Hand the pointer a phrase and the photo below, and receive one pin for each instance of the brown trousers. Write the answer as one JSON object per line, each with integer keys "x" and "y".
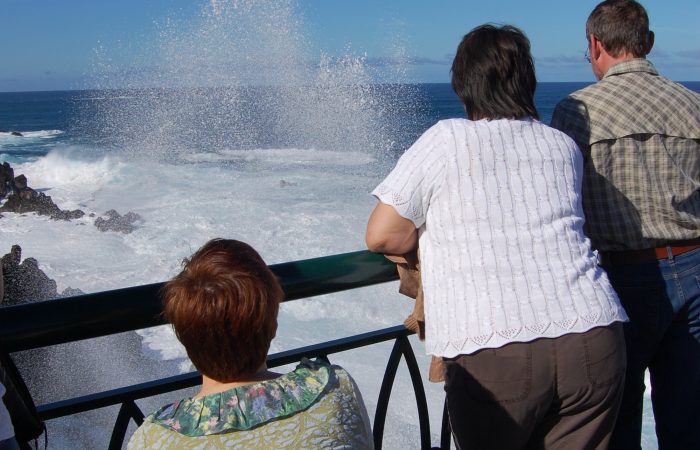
{"x": 561, "y": 393}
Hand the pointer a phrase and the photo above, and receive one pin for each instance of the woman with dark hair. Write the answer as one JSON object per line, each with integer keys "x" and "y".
{"x": 223, "y": 307}
{"x": 526, "y": 322}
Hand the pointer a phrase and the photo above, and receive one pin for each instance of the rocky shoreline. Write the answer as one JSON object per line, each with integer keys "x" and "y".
{"x": 20, "y": 199}
{"x": 23, "y": 281}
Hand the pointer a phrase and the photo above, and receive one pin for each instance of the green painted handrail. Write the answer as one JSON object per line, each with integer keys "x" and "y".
{"x": 51, "y": 322}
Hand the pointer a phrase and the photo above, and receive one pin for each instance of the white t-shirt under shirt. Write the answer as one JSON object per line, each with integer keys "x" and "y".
{"x": 503, "y": 255}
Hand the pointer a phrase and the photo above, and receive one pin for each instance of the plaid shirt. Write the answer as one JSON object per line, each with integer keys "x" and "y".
{"x": 640, "y": 137}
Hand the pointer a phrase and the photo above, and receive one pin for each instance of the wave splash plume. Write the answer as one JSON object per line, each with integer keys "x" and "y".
{"x": 239, "y": 76}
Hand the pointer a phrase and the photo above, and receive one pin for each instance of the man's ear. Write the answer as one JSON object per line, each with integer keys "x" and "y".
{"x": 595, "y": 46}
{"x": 650, "y": 42}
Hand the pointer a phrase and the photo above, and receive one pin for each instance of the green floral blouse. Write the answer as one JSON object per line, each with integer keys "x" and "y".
{"x": 315, "y": 406}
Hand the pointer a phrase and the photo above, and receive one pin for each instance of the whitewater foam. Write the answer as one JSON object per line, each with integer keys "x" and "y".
{"x": 41, "y": 134}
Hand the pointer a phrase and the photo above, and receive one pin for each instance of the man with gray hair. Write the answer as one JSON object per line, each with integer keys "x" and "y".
{"x": 640, "y": 137}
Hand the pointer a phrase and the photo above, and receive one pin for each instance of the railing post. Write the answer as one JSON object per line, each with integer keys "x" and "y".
{"x": 446, "y": 431}
{"x": 402, "y": 346}
{"x": 421, "y": 402}
{"x": 128, "y": 410}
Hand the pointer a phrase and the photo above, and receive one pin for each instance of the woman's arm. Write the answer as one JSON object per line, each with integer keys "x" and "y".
{"x": 390, "y": 233}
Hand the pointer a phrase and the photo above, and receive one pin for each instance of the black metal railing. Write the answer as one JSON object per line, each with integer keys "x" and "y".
{"x": 41, "y": 324}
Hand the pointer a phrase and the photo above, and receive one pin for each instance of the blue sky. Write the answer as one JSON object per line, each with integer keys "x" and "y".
{"x": 51, "y": 45}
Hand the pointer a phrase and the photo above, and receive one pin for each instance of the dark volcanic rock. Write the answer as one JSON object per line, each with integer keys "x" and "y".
{"x": 65, "y": 214}
{"x": 34, "y": 283}
{"x": 71, "y": 292}
{"x": 13, "y": 258}
{"x": 23, "y": 199}
{"x": 20, "y": 182}
{"x": 24, "y": 282}
{"x": 7, "y": 176}
{"x": 29, "y": 200}
{"x": 16, "y": 133}
{"x": 117, "y": 222}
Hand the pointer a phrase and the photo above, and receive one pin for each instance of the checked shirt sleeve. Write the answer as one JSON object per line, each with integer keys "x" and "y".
{"x": 571, "y": 117}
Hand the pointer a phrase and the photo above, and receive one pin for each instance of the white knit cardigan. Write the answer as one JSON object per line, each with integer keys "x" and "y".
{"x": 503, "y": 254}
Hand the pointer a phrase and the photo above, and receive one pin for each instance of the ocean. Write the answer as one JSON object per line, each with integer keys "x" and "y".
{"x": 287, "y": 171}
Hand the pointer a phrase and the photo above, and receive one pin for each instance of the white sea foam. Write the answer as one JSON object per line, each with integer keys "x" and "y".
{"x": 43, "y": 134}
{"x": 285, "y": 157}
{"x": 70, "y": 181}
{"x": 106, "y": 98}
{"x": 60, "y": 168}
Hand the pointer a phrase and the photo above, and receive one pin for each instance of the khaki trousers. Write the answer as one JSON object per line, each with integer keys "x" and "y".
{"x": 561, "y": 393}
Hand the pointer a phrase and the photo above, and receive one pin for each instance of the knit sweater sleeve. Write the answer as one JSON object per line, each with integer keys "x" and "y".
{"x": 417, "y": 176}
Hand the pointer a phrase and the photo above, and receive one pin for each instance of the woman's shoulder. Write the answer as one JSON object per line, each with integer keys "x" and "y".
{"x": 446, "y": 133}
{"x": 457, "y": 126}
{"x": 549, "y": 133}
{"x": 340, "y": 382}
{"x": 565, "y": 138}
{"x": 343, "y": 380}
{"x": 335, "y": 398}
{"x": 454, "y": 124}
{"x": 247, "y": 406}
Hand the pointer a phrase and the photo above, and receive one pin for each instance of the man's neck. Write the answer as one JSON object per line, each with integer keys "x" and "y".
{"x": 607, "y": 61}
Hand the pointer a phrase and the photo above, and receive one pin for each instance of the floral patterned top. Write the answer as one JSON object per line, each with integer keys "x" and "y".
{"x": 315, "y": 406}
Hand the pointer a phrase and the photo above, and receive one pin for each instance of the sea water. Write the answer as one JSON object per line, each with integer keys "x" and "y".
{"x": 232, "y": 135}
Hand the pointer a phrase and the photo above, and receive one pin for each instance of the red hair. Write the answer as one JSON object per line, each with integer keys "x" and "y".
{"x": 223, "y": 307}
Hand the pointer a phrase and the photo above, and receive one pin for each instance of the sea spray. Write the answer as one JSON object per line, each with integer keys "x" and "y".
{"x": 242, "y": 75}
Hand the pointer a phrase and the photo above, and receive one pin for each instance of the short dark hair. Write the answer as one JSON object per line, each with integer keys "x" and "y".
{"x": 493, "y": 73}
{"x": 223, "y": 307}
{"x": 621, "y": 25}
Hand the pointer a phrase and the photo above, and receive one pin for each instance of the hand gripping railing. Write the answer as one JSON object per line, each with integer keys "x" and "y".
{"x": 41, "y": 324}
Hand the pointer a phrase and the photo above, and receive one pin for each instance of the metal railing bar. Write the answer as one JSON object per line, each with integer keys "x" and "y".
{"x": 51, "y": 322}
{"x": 137, "y": 414}
{"x": 339, "y": 345}
{"x": 183, "y": 381}
{"x": 128, "y": 411}
{"x": 334, "y": 273}
{"x": 384, "y": 394}
{"x": 119, "y": 395}
{"x": 446, "y": 431}
{"x": 419, "y": 391}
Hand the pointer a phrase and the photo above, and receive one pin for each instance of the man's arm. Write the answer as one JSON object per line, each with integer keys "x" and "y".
{"x": 390, "y": 233}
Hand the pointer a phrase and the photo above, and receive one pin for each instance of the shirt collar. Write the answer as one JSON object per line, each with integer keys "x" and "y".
{"x": 249, "y": 406}
{"x": 632, "y": 65}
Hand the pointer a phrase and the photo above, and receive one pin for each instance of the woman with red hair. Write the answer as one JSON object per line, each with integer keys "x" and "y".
{"x": 223, "y": 307}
